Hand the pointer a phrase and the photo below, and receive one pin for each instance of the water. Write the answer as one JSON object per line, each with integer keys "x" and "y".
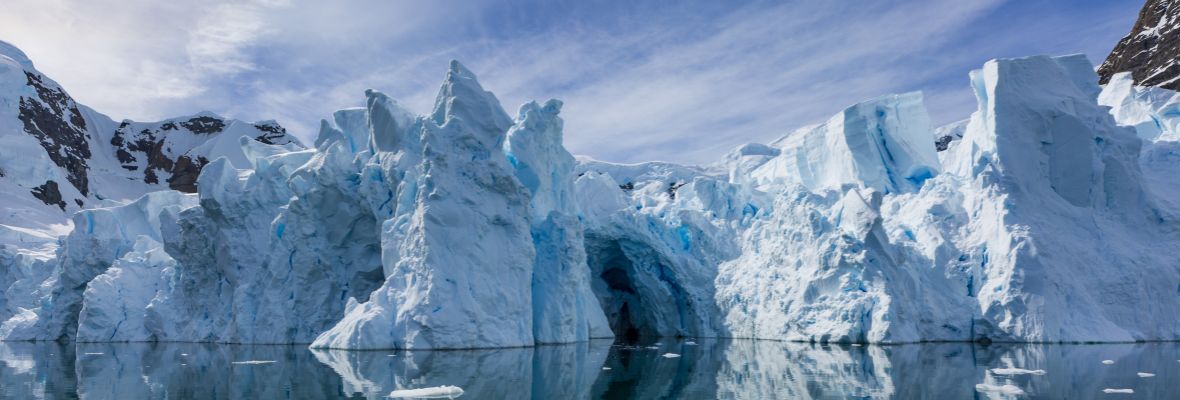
{"x": 741, "y": 369}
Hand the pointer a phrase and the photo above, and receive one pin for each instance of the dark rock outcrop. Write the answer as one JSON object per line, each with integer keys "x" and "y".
{"x": 185, "y": 173}
{"x": 1151, "y": 52}
{"x": 53, "y": 118}
{"x": 203, "y": 125}
{"x": 943, "y": 143}
{"x": 272, "y": 133}
{"x": 49, "y": 194}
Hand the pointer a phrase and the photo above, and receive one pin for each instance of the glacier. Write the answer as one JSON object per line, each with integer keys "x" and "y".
{"x": 1048, "y": 215}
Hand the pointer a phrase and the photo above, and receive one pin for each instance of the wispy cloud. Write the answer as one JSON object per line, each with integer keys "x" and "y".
{"x": 679, "y": 81}
{"x": 222, "y": 34}
{"x": 138, "y": 58}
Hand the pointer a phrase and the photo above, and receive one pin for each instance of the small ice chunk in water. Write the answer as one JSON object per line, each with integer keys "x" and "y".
{"x": 391, "y": 355}
{"x": 856, "y": 345}
{"x": 1108, "y": 362}
{"x": 437, "y": 392}
{"x": 1146, "y": 374}
{"x": 94, "y": 354}
{"x": 1125, "y": 391}
{"x": 690, "y": 343}
{"x": 653, "y": 347}
{"x": 254, "y": 362}
{"x": 1003, "y": 389}
{"x": 1017, "y": 371}
{"x": 606, "y": 368}
{"x": 184, "y": 354}
{"x": 670, "y": 355}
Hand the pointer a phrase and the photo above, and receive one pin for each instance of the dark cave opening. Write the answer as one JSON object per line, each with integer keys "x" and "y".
{"x": 628, "y": 311}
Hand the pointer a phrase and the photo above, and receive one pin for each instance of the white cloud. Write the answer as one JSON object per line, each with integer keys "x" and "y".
{"x": 218, "y": 41}
{"x": 136, "y": 59}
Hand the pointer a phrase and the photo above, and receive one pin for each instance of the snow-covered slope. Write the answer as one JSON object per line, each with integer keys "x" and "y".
{"x": 58, "y": 156}
{"x": 1045, "y": 217}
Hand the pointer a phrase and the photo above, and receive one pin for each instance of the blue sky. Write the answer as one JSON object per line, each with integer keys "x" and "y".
{"x": 674, "y": 80}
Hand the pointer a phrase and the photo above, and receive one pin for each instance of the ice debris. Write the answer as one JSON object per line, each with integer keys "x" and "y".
{"x": 1012, "y": 390}
{"x": 1017, "y": 371}
{"x": 437, "y": 392}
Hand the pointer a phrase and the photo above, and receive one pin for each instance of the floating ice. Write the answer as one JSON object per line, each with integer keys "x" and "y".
{"x": 1145, "y": 374}
{"x": 1017, "y": 371}
{"x": 1003, "y": 389}
{"x": 1108, "y": 362}
{"x": 437, "y": 392}
{"x": 1124, "y": 391}
{"x": 670, "y": 355}
{"x": 254, "y": 362}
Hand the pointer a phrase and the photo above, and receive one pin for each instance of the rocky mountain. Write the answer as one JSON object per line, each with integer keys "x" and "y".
{"x": 1151, "y": 52}
{"x": 58, "y": 156}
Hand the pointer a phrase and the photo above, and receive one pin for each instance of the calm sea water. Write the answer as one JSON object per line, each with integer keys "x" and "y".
{"x": 740, "y": 369}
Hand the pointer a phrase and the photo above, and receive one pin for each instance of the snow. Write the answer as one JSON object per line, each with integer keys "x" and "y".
{"x": 444, "y": 392}
{"x": 1011, "y": 390}
{"x": 1154, "y": 112}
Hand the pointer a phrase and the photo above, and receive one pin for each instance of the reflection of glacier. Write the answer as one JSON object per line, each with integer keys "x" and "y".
{"x": 542, "y": 372}
{"x": 738, "y": 369}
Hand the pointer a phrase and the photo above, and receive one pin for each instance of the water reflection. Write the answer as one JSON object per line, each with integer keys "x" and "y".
{"x": 738, "y": 369}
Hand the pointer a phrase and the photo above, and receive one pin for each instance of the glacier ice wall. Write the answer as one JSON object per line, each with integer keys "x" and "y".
{"x": 1066, "y": 232}
{"x": 882, "y": 143}
{"x": 1046, "y": 217}
{"x": 480, "y": 246}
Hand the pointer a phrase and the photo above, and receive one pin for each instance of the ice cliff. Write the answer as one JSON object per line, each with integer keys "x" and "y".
{"x": 1044, "y": 217}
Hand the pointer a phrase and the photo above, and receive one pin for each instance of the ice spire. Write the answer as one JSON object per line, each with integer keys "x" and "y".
{"x": 462, "y": 97}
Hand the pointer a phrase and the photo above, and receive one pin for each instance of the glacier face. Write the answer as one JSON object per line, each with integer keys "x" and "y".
{"x": 1044, "y": 217}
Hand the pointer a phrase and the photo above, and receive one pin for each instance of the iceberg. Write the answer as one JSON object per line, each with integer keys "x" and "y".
{"x": 1016, "y": 371}
{"x": 442, "y": 392}
{"x": 1046, "y": 216}
{"x": 1011, "y": 390}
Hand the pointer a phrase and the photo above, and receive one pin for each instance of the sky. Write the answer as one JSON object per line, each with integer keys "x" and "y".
{"x": 680, "y": 81}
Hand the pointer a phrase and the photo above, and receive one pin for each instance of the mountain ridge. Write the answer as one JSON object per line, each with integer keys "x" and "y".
{"x": 1151, "y": 51}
